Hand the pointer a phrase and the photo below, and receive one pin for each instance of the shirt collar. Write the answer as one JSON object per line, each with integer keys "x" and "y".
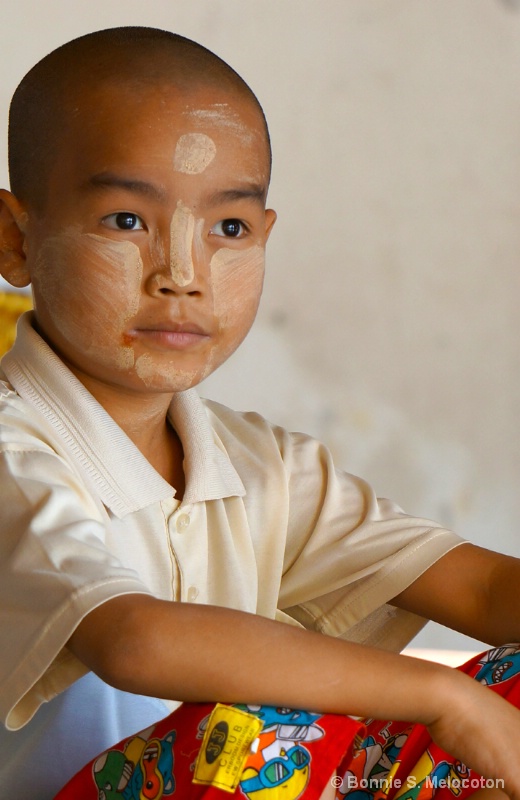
{"x": 125, "y": 481}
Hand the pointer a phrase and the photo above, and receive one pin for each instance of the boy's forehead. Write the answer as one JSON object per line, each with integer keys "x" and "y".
{"x": 118, "y": 110}
{"x": 137, "y": 131}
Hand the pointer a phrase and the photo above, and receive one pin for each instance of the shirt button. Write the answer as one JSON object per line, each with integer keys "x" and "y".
{"x": 193, "y": 593}
{"x": 183, "y": 523}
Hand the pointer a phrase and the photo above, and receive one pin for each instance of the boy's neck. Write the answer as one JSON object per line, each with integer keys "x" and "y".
{"x": 166, "y": 455}
{"x": 153, "y": 434}
{"x": 144, "y": 419}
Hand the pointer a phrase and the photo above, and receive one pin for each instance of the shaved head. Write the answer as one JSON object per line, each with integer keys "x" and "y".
{"x": 50, "y": 94}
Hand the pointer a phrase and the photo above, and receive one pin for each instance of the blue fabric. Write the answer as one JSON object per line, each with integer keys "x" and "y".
{"x": 89, "y": 717}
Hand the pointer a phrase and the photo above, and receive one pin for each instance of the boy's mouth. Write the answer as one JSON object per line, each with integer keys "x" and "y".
{"x": 173, "y": 336}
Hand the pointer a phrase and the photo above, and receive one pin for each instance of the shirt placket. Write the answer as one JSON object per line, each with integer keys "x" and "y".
{"x": 186, "y": 530}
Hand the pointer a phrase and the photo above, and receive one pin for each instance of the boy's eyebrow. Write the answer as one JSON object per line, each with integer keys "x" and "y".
{"x": 108, "y": 180}
{"x": 251, "y": 191}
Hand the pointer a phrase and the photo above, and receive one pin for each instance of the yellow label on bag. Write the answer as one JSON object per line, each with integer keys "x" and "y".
{"x": 226, "y": 745}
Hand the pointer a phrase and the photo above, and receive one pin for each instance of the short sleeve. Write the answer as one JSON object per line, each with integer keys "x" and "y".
{"x": 54, "y": 569}
{"x": 348, "y": 552}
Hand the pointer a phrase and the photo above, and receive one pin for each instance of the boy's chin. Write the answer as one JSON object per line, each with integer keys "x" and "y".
{"x": 175, "y": 377}
{"x": 172, "y": 381}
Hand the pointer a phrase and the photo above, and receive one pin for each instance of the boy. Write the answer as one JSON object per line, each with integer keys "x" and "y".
{"x": 139, "y": 170}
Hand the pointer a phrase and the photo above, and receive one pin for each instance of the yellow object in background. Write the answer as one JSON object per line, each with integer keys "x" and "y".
{"x": 11, "y": 306}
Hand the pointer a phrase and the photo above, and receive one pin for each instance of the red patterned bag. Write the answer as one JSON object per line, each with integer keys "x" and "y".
{"x": 265, "y": 753}
{"x": 212, "y": 751}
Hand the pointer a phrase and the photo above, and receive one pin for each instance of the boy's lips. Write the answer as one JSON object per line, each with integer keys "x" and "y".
{"x": 170, "y": 335}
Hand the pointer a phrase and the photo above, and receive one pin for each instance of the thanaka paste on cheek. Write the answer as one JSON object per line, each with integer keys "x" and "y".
{"x": 193, "y": 153}
{"x": 90, "y": 286}
{"x": 237, "y": 278}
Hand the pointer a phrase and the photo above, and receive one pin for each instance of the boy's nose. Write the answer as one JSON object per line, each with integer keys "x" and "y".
{"x": 175, "y": 268}
{"x": 182, "y": 233}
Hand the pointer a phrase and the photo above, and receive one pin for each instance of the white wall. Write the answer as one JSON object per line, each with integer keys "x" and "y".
{"x": 389, "y": 326}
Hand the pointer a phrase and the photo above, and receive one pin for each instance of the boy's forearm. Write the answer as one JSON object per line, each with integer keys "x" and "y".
{"x": 204, "y": 653}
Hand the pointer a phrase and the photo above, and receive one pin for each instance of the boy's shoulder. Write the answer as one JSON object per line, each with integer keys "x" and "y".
{"x": 235, "y": 421}
{"x": 251, "y": 431}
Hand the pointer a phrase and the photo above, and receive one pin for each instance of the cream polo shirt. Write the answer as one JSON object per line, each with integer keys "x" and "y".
{"x": 267, "y": 525}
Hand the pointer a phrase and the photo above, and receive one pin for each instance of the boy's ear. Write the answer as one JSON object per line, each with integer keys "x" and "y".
{"x": 270, "y": 219}
{"x": 13, "y": 221}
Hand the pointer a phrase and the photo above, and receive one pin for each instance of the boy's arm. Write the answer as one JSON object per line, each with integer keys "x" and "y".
{"x": 205, "y": 653}
{"x": 472, "y": 590}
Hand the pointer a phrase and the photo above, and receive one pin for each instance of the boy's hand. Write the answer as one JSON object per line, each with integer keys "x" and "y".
{"x": 482, "y": 730}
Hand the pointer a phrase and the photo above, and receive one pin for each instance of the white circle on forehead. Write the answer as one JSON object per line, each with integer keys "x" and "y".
{"x": 193, "y": 153}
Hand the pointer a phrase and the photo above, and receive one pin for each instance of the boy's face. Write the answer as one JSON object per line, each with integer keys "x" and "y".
{"x": 147, "y": 260}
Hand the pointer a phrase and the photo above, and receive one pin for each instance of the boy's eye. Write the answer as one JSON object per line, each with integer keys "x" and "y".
{"x": 232, "y": 228}
{"x": 124, "y": 221}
